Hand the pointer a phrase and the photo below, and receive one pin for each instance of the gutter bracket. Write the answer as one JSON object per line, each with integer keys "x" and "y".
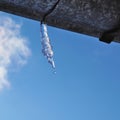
{"x": 109, "y": 36}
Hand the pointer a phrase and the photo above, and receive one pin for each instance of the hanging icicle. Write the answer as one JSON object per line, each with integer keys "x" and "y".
{"x": 46, "y": 45}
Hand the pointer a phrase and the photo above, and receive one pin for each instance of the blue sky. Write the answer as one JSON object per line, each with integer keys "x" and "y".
{"x": 86, "y": 85}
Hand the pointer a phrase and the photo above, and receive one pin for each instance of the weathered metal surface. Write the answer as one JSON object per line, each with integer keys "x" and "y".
{"x": 91, "y": 17}
{"x": 34, "y": 9}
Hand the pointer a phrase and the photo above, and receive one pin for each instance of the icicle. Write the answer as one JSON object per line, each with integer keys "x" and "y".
{"x": 46, "y": 45}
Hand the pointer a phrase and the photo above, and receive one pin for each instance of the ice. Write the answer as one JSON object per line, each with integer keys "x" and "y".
{"x": 46, "y": 45}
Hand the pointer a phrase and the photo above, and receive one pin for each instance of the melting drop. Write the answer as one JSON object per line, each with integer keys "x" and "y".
{"x": 46, "y": 45}
{"x": 54, "y": 72}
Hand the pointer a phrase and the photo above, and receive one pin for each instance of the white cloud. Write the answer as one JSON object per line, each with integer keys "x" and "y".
{"x": 13, "y": 47}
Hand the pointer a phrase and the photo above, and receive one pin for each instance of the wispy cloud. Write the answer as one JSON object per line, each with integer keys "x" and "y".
{"x": 13, "y": 47}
